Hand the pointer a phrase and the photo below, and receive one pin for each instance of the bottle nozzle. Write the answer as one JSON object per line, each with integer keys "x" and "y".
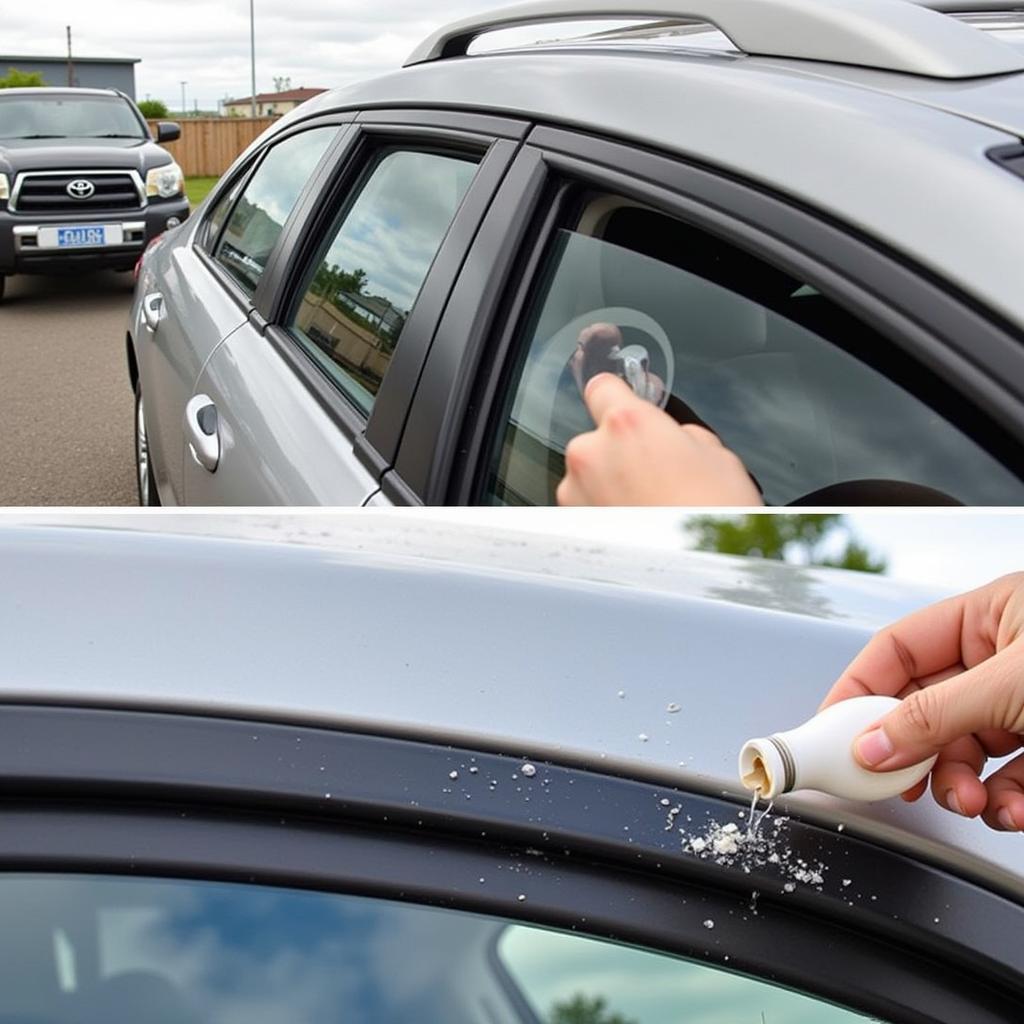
{"x": 766, "y": 767}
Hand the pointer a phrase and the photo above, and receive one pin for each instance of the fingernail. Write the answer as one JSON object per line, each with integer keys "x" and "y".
{"x": 874, "y": 747}
{"x": 953, "y": 802}
{"x": 1006, "y": 820}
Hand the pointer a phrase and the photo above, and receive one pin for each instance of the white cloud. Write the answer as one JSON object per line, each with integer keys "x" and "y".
{"x": 314, "y": 42}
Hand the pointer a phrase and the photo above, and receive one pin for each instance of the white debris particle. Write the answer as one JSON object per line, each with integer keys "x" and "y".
{"x": 664, "y": 801}
{"x": 936, "y": 920}
{"x": 643, "y": 737}
{"x": 528, "y": 770}
{"x": 725, "y": 845}
{"x": 672, "y": 708}
{"x": 839, "y": 828}
{"x": 622, "y": 693}
{"x": 473, "y": 770}
{"x": 709, "y": 923}
{"x": 847, "y": 881}
{"x": 750, "y": 849}
{"x": 453, "y": 775}
{"x": 521, "y": 897}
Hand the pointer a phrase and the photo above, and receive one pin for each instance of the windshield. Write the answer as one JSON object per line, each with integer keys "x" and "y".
{"x": 59, "y": 117}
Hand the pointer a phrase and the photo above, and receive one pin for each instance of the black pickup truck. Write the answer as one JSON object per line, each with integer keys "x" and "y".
{"x": 83, "y": 184}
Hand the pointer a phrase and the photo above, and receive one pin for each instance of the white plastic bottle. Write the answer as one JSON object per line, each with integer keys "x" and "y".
{"x": 819, "y": 755}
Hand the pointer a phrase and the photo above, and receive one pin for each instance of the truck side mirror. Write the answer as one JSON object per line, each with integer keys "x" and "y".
{"x": 167, "y": 131}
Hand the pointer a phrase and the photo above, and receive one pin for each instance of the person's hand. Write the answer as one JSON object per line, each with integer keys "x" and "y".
{"x": 959, "y": 668}
{"x": 639, "y": 455}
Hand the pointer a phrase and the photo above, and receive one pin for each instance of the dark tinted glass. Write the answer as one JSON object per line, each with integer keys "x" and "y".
{"x": 259, "y": 215}
{"x": 42, "y": 116}
{"x": 106, "y": 950}
{"x": 760, "y": 357}
{"x": 367, "y": 280}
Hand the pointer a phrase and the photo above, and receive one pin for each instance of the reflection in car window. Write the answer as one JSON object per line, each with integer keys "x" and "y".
{"x": 80, "y": 949}
{"x": 366, "y": 282}
{"x": 47, "y": 116}
{"x": 215, "y": 220}
{"x": 258, "y": 218}
{"x": 569, "y": 979}
{"x": 761, "y": 358}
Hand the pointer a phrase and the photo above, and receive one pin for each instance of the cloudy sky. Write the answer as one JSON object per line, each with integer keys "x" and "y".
{"x": 316, "y": 43}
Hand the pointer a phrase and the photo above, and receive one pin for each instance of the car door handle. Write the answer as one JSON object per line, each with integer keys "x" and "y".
{"x": 152, "y": 310}
{"x": 201, "y": 431}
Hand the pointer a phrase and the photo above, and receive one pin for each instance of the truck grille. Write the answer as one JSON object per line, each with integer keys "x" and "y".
{"x": 48, "y": 192}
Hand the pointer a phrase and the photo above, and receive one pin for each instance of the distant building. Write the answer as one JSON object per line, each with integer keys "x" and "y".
{"x": 86, "y": 72}
{"x": 270, "y": 104}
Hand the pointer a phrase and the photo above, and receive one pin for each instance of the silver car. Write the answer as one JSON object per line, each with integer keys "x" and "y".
{"x": 804, "y": 220}
{"x": 337, "y": 771}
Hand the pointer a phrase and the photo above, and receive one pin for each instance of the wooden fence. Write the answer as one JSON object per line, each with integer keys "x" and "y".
{"x": 209, "y": 145}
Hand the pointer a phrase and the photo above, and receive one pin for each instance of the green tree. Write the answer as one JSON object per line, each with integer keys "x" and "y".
{"x": 152, "y": 109}
{"x": 15, "y": 79}
{"x": 803, "y": 539}
{"x": 582, "y": 1009}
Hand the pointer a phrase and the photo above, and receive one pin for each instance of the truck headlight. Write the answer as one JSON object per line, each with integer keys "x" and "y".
{"x": 165, "y": 181}
{"x": 5, "y": 187}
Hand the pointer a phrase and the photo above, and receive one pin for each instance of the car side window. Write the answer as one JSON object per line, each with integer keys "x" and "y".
{"x": 762, "y": 358}
{"x": 217, "y": 216}
{"x": 571, "y": 978}
{"x": 367, "y": 276}
{"x": 257, "y": 219}
{"x": 79, "y": 949}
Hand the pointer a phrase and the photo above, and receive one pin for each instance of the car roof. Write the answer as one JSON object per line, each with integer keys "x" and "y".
{"x": 534, "y": 646}
{"x": 811, "y": 131}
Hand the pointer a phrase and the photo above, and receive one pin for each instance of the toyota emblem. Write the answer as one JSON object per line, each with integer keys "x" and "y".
{"x": 80, "y": 188}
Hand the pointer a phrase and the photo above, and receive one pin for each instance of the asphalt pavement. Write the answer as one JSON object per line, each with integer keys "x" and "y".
{"x": 66, "y": 408}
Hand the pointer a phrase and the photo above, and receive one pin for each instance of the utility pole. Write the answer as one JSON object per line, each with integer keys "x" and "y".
{"x": 71, "y": 66}
{"x": 252, "y": 55}
{"x": 183, "y": 110}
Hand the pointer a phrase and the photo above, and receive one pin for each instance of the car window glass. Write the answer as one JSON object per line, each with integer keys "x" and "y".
{"x": 215, "y": 220}
{"x": 366, "y": 280}
{"x": 759, "y": 357}
{"x": 80, "y": 949}
{"x": 570, "y": 979}
{"x": 258, "y": 217}
{"x": 66, "y": 115}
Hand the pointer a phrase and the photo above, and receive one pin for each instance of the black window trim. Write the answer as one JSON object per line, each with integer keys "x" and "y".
{"x": 375, "y": 439}
{"x": 927, "y": 319}
{"x": 173, "y": 794}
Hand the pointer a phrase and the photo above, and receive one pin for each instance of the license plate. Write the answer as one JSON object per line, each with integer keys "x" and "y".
{"x": 84, "y": 236}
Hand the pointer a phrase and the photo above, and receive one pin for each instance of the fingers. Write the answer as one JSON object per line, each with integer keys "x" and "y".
{"x": 922, "y": 644}
{"x": 1005, "y": 810}
{"x": 955, "y": 781}
{"x": 604, "y": 393}
{"x": 989, "y": 696}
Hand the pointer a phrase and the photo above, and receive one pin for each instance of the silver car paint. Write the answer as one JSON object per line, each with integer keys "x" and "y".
{"x": 277, "y": 445}
{"x": 197, "y": 315}
{"x": 880, "y": 162}
{"x": 462, "y": 635}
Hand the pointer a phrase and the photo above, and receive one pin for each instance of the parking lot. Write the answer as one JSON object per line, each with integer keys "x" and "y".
{"x": 65, "y": 405}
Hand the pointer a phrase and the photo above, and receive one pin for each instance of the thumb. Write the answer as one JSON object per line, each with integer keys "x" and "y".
{"x": 988, "y": 696}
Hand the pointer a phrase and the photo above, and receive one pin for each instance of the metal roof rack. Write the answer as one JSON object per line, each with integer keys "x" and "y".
{"x": 894, "y": 35}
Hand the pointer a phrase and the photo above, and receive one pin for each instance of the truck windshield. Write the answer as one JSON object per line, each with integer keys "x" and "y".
{"x": 66, "y": 116}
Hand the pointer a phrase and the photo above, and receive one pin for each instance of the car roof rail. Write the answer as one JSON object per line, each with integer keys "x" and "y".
{"x": 910, "y": 36}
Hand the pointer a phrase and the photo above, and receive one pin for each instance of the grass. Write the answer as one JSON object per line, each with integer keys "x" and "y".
{"x": 197, "y": 188}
